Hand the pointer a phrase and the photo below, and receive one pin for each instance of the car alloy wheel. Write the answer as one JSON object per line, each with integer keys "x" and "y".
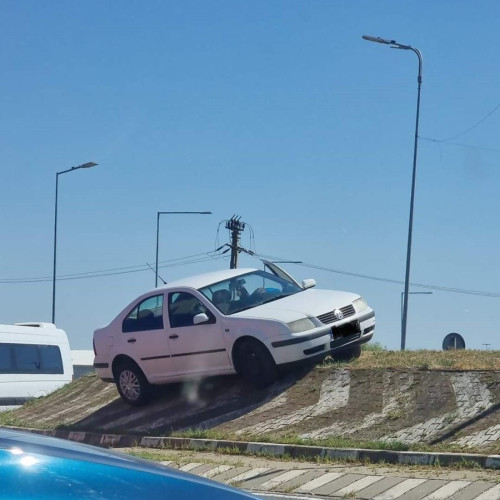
{"x": 132, "y": 384}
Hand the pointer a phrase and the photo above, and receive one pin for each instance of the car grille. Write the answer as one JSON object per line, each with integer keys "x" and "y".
{"x": 329, "y": 317}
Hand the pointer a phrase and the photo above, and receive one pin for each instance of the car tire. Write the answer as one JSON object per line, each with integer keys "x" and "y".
{"x": 132, "y": 384}
{"x": 255, "y": 363}
{"x": 352, "y": 352}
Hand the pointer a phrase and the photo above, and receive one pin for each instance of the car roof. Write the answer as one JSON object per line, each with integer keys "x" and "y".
{"x": 201, "y": 280}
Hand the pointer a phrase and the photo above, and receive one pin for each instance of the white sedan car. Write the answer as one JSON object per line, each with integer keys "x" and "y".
{"x": 244, "y": 321}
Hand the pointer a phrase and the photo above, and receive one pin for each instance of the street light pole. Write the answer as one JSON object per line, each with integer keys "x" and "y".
{"x": 84, "y": 165}
{"x": 395, "y": 45}
{"x": 158, "y": 234}
{"x": 402, "y": 302}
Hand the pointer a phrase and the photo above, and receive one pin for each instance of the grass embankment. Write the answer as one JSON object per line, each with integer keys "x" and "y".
{"x": 373, "y": 357}
{"x": 376, "y": 357}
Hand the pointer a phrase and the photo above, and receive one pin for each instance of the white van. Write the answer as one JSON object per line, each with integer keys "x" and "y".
{"x": 35, "y": 359}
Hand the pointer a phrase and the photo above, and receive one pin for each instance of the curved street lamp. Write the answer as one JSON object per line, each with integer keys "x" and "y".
{"x": 84, "y": 165}
{"x": 395, "y": 45}
{"x": 158, "y": 234}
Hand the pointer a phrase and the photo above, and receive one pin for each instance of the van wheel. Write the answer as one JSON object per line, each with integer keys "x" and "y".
{"x": 132, "y": 384}
{"x": 255, "y": 363}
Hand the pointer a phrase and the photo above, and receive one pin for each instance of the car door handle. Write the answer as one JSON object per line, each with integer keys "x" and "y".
{"x": 174, "y": 336}
{"x": 131, "y": 341}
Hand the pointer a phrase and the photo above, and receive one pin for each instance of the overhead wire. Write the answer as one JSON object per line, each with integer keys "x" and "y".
{"x": 448, "y": 140}
{"x": 473, "y": 126}
{"x": 217, "y": 255}
{"x": 120, "y": 270}
{"x": 462, "y": 145}
{"x": 385, "y": 280}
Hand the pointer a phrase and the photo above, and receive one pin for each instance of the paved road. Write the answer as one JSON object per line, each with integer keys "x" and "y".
{"x": 340, "y": 481}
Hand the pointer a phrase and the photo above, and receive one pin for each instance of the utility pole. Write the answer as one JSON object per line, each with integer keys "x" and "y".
{"x": 236, "y": 227}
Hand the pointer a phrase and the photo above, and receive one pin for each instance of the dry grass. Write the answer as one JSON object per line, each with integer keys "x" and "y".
{"x": 428, "y": 360}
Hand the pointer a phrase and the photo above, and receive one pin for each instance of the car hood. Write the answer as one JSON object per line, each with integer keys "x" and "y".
{"x": 309, "y": 302}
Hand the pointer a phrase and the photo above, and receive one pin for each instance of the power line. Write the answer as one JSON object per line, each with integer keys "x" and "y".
{"x": 119, "y": 270}
{"x": 473, "y": 126}
{"x": 460, "y": 144}
{"x": 466, "y": 131}
{"x": 388, "y": 280}
{"x": 215, "y": 255}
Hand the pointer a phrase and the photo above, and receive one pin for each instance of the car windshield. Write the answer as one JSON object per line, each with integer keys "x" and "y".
{"x": 247, "y": 291}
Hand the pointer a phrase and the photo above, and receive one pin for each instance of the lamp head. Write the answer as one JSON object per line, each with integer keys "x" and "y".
{"x": 385, "y": 41}
{"x": 377, "y": 39}
{"x": 89, "y": 165}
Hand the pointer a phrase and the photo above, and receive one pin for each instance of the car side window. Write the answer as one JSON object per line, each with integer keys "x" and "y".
{"x": 183, "y": 307}
{"x": 147, "y": 315}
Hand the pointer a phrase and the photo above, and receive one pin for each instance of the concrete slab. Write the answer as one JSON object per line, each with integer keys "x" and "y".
{"x": 294, "y": 484}
{"x": 190, "y": 466}
{"x": 230, "y": 473}
{"x": 424, "y": 489}
{"x": 332, "y": 487}
{"x": 216, "y": 470}
{"x": 243, "y": 476}
{"x": 490, "y": 494}
{"x": 201, "y": 469}
{"x": 356, "y": 486}
{"x": 256, "y": 482}
{"x": 472, "y": 491}
{"x": 399, "y": 489}
{"x": 316, "y": 483}
{"x": 446, "y": 490}
{"x": 380, "y": 486}
{"x": 273, "y": 483}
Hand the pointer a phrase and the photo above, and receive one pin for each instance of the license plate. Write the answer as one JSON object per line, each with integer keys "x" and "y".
{"x": 345, "y": 330}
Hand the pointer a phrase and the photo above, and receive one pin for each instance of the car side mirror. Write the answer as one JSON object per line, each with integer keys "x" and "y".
{"x": 200, "y": 318}
{"x": 309, "y": 283}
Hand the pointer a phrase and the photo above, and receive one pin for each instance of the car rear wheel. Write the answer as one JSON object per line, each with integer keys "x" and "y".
{"x": 132, "y": 384}
{"x": 255, "y": 363}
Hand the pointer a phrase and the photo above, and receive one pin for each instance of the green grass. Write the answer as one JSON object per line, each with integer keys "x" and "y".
{"x": 332, "y": 442}
{"x": 374, "y": 356}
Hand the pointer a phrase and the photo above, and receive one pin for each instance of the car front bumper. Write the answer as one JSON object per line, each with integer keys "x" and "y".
{"x": 324, "y": 340}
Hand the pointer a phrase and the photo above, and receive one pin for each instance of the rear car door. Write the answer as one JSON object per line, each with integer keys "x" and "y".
{"x": 144, "y": 338}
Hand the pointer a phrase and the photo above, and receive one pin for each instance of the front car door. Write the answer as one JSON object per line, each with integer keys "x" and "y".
{"x": 195, "y": 349}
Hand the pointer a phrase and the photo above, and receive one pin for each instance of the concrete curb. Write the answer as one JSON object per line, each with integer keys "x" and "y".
{"x": 277, "y": 450}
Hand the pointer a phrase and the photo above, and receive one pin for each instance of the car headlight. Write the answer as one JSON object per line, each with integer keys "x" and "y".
{"x": 301, "y": 325}
{"x": 359, "y": 304}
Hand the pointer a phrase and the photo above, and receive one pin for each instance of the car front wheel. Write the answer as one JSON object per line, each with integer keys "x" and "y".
{"x": 132, "y": 384}
{"x": 352, "y": 352}
{"x": 255, "y": 363}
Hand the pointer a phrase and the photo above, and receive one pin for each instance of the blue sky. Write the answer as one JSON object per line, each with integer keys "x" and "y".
{"x": 276, "y": 111}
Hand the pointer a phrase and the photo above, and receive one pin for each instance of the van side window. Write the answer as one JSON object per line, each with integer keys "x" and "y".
{"x": 30, "y": 358}
{"x": 183, "y": 307}
{"x": 147, "y": 315}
